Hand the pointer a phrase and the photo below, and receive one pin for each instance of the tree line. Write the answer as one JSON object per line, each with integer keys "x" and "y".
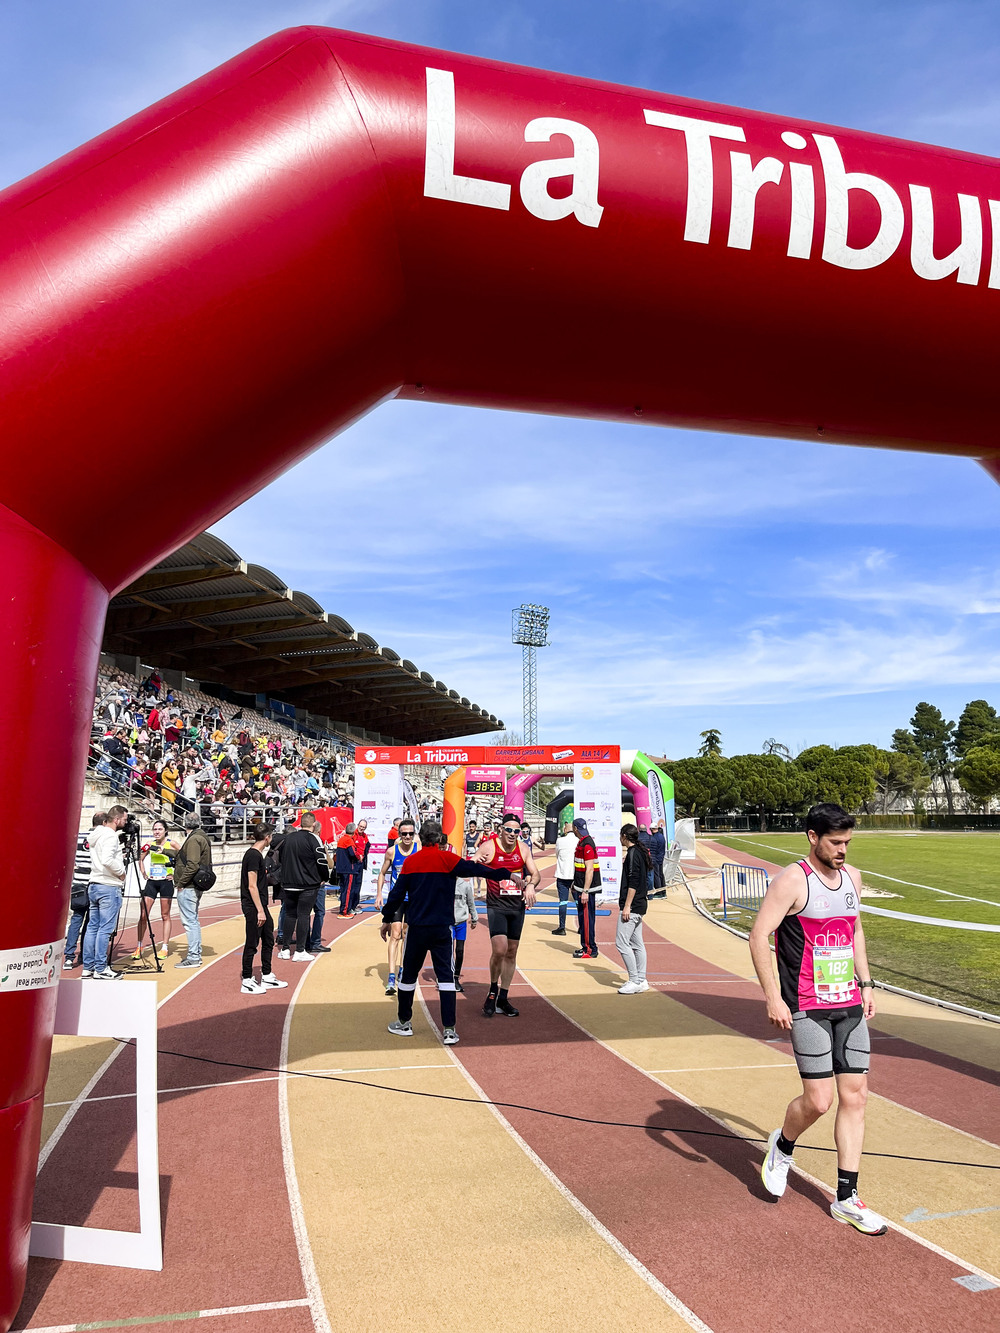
{"x": 924, "y": 761}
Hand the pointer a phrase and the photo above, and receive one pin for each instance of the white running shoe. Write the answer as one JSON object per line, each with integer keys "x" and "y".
{"x": 399, "y": 1029}
{"x": 858, "y": 1215}
{"x": 285, "y": 953}
{"x": 450, "y": 1037}
{"x": 630, "y": 988}
{"x": 774, "y": 1172}
{"x": 300, "y": 956}
{"x": 270, "y": 982}
{"x": 85, "y": 975}
{"x": 109, "y": 974}
{"x": 251, "y": 987}
{"x": 642, "y": 985}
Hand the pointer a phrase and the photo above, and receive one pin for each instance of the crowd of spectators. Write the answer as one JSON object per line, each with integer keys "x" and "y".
{"x": 173, "y": 753}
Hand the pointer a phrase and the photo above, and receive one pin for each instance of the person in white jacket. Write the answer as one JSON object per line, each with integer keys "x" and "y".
{"x": 465, "y": 912}
{"x": 107, "y": 875}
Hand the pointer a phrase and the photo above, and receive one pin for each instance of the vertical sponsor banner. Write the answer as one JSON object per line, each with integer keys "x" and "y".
{"x": 597, "y": 797}
{"x": 378, "y": 797}
{"x": 657, "y": 805}
{"x": 410, "y": 804}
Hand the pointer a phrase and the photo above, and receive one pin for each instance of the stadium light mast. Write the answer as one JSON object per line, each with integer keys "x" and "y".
{"x": 531, "y": 631}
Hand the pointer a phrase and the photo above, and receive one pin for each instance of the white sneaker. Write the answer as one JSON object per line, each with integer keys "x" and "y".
{"x": 642, "y": 985}
{"x": 285, "y": 953}
{"x": 450, "y": 1037}
{"x": 630, "y": 988}
{"x": 109, "y": 974}
{"x": 858, "y": 1215}
{"x": 251, "y": 987}
{"x": 300, "y": 956}
{"x": 86, "y": 975}
{"x": 270, "y": 982}
{"x": 399, "y": 1029}
{"x": 774, "y": 1171}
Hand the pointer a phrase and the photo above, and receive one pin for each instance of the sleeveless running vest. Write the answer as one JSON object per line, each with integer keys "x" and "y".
{"x": 502, "y": 893}
{"x": 815, "y": 947}
{"x": 398, "y": 857}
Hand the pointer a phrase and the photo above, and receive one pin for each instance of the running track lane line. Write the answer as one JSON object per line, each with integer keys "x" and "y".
{"x": 813, "y": 1180}
{"x": 314, "y": 1292}
{"x": 139, "y": 1320}
{"x": 639, "y": 1268}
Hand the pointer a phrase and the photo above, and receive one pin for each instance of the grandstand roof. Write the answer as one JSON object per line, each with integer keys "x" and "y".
{"x": 206, "y": 611}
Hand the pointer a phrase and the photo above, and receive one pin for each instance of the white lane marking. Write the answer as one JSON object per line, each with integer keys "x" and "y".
{"x": 715, "y": 1069}
{"x": 170, "y": 1318}
{"x": 922, "y": 1215}
{"x": 307, "y": 1263}
{"x": 639, "y": 1268}
{"x": 813, "y": 1180}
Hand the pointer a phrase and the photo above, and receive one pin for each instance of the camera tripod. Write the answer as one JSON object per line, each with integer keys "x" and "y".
{"x": 130, "y": 855}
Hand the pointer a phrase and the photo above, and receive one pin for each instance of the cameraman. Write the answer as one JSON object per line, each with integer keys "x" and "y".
{"x": 107, "y": 875}
{"x": 194, "y": 857}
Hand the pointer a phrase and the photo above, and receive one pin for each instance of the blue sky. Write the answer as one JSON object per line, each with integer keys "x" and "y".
{"x": 808, "y": 592}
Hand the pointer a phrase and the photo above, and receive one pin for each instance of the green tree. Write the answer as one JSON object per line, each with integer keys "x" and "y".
{"x": 979, "y": 773}
{"x": 845, "y": 776}
{"x": 934, "y": 739}
{"x": 766, "y": 784}
{"x": 702, "y": 786}
{"x": 979, "y": 720}
{"x": 901, "y": 775}
{"x": 711, "y": 744}
{"x": 903, "y": 743}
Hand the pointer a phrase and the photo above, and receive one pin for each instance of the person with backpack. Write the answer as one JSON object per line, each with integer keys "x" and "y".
{"x": 632, "y": 903}
{"x": 193, "y": 875}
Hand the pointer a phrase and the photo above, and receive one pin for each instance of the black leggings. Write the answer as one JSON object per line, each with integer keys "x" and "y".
{"x": 299, "y": 903}
{"x": 262, "y": 935}
{"x": 459, "y": 957}
{"x": 420, "y": 940}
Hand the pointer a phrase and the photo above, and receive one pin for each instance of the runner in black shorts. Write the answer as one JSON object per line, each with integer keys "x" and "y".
{"x": 506, "y": 904}
{"x": 812, "y": 908}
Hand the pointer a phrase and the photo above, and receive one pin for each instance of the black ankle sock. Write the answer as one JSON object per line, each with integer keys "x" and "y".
{"x": 786, "y": 1146}
{"x": 493, "y": 987}
{"x": 502, "y": 996}
{"x": 847, "y": 1183}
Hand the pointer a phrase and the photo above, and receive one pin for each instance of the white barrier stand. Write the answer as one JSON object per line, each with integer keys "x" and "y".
{"x": 107, "y": 1009}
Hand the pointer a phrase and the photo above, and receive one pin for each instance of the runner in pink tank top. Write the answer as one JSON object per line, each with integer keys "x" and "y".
{"x": 823, "y": 996}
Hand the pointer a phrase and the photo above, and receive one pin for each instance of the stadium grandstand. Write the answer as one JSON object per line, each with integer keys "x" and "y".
{"x": 223, "y": 692}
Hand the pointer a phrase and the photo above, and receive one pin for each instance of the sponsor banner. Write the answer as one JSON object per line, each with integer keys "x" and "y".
{"x": 657, "y": 805}
{"x": 508, "y": 755}
{"x": 378, "y": 797}
{"x": 410, "y": 803}
{"x": 33, "y": 968}
{"x": 486, "y": 781}
{"x": 597, "y": 798}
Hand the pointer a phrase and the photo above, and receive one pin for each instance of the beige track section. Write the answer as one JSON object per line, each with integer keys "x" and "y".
{"x": 425, "y": 1215}
{"x": 75, "y": 1060}
{"x": 747, "y": 1084}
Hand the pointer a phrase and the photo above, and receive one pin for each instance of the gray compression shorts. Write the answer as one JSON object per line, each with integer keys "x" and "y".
{"x": 830, "y": 1041}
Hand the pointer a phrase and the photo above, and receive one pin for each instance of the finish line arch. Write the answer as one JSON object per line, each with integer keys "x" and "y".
{"x": 272, "y": 251}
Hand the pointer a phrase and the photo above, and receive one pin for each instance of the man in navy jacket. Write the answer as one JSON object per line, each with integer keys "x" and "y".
{"x": 427, "y": 882}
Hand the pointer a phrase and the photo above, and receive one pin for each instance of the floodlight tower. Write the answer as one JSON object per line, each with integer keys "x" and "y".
{"x": 531, "y": 631}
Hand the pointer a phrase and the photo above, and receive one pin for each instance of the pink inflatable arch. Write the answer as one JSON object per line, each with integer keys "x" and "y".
{"x": 231, "y": 277}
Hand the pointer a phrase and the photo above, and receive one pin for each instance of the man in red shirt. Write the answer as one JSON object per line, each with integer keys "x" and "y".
{"x": 506, "y": 904}
{"x": 586, "y": 878}
{"x": 361, "y": 848}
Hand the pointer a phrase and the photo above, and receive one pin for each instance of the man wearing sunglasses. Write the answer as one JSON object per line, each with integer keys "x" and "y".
{"x": 506, "y": 904}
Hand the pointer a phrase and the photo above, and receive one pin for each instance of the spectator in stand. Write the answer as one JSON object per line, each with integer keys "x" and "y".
{"x": 347, "y": 860}
{"x": 116, "y": 750}
{"x": 304, "y": 871}
{"x": 79, "y": 899}
{"x": 169, "y": 777}
{"x": 107, "y": 875}
{"x": 658, "y": 850}
{"x": 195, "y": 855}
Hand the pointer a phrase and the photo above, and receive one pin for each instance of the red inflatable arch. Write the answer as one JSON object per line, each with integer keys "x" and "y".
{"x": 229, "y": 278}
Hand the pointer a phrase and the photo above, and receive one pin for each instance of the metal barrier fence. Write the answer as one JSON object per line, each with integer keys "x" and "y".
{"x": 743, "y": 887}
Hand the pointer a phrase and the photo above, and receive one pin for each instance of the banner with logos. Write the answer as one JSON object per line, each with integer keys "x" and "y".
{"x": 378, "y": 797}
{"x": 597, "y": 798}
{"x": 507, "y": 755}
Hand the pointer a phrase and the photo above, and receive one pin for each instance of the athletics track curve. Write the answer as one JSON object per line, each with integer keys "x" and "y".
{"x": 402, "y": 1198}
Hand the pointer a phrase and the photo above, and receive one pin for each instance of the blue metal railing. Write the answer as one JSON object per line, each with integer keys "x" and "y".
{"x": 743, "y": 887}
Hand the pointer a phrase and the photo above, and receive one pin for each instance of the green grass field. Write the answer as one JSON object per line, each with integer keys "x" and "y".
{"x": 958, "y": 965}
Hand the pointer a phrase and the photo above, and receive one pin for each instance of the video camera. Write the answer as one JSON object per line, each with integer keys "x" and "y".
{"x": 130, "y": 829}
